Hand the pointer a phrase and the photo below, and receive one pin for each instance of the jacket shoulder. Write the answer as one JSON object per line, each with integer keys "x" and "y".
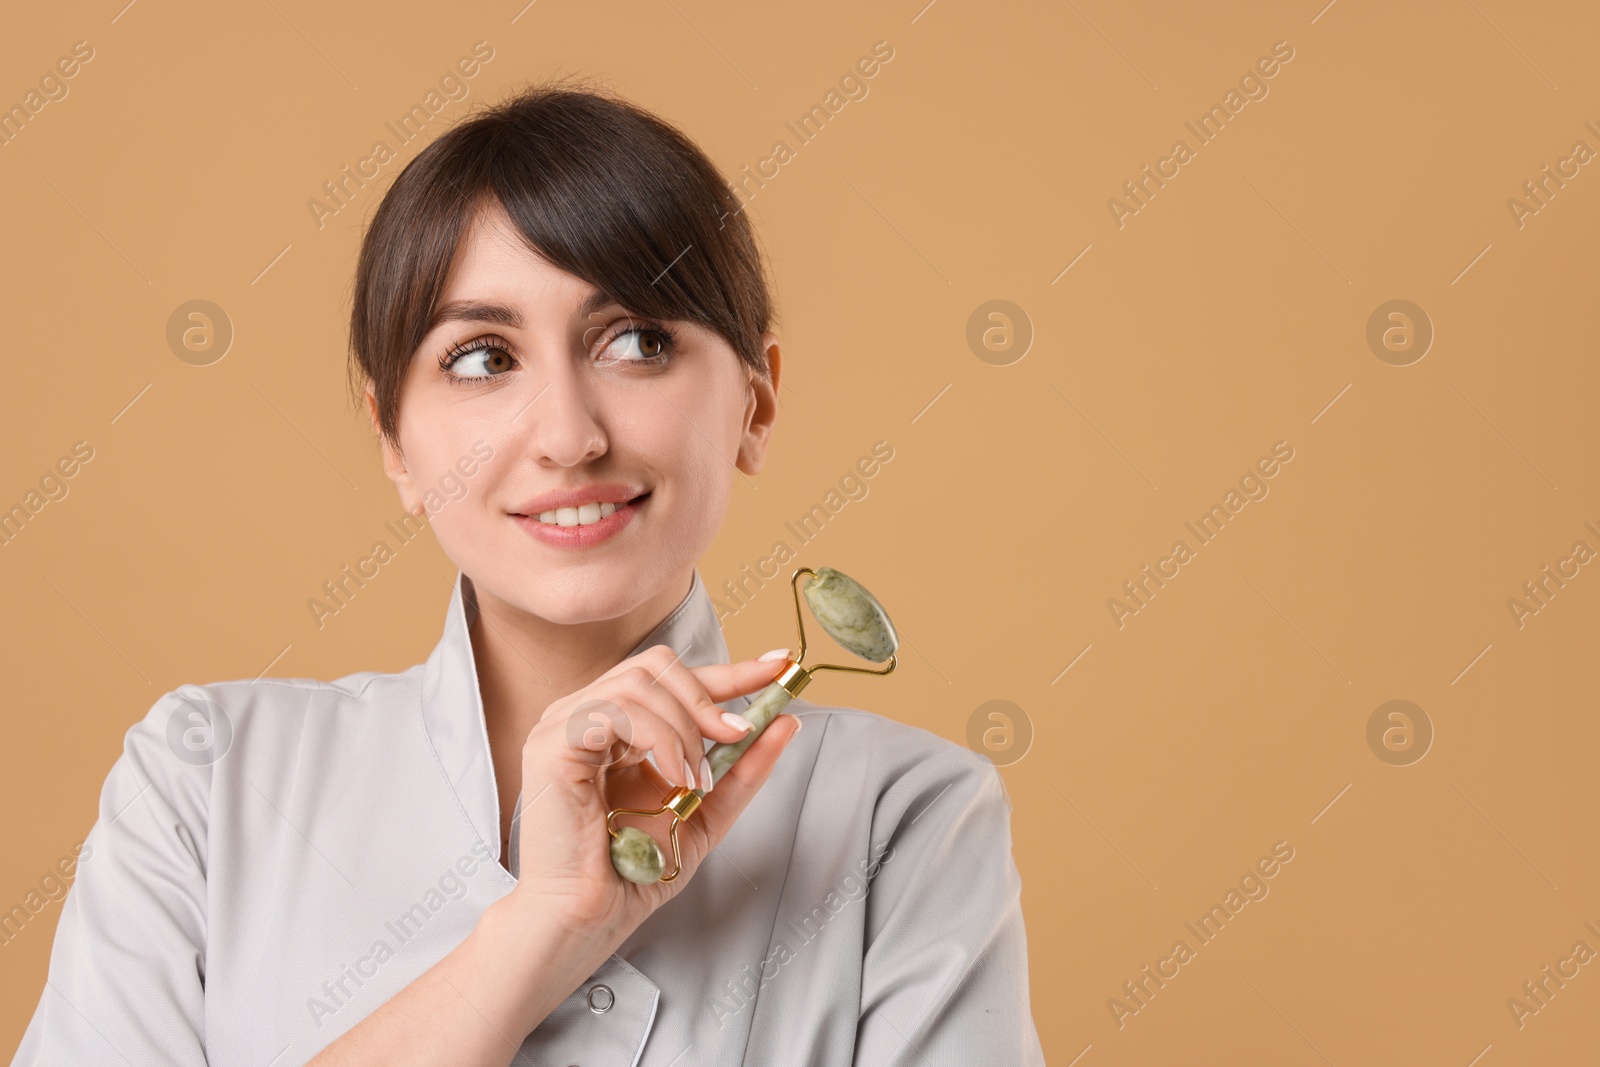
{"x": 893, "y": 766}
{"x": 888, "y": 738}
{"x": 353, "y": 685}
{"x": 195, "y": 725}
{"x": 253, "y": 696}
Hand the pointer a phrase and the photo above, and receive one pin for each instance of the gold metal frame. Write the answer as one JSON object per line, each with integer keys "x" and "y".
{"x": 681, "y": 803}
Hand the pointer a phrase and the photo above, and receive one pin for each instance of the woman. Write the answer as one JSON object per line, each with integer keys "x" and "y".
{"x": 560, "y": 306}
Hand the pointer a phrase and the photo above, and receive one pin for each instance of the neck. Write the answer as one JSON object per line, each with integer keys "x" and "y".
{"x": 526, "y": 663}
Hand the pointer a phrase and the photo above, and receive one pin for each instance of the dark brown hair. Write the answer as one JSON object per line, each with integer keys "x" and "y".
{"x": 600, "y": 187}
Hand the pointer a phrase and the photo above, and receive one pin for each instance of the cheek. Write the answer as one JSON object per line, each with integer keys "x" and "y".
{"x": 471, "y": 528}
{"x": 436, "y": 453}
{"x": 697, "y": 504}
{"x": 690, "y": 444}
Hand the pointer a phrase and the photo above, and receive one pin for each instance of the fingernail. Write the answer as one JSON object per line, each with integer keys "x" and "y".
{"x": 777, "y": 653}
{"x": 798, "y": 723}
{"x": 688, "y": 774}
{"x": 705, "y": 775}
{"x": 738, "y": 722}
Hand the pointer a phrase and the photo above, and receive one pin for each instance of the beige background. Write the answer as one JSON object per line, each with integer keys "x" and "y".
{"x": 1227, "y": 314}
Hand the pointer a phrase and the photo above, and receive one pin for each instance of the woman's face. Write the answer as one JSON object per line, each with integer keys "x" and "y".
{"x": 530, "y": 384}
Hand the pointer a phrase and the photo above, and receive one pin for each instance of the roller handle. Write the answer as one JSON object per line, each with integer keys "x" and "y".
{"x": 762, "y": 710}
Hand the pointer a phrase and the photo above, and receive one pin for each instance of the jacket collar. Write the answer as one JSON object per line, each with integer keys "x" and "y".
{"x": 452, "y": 703}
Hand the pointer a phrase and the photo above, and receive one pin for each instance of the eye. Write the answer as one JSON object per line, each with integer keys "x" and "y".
{"x": 480, "y": 359}
{"x": 641, "y": 342}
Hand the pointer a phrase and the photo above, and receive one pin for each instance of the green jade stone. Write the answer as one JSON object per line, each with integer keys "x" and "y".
{"x": 637, "y": 857}
{"x": 851, "y": 615}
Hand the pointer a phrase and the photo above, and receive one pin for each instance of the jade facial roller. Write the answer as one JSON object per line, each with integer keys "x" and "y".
{"x": 851, "y": 616}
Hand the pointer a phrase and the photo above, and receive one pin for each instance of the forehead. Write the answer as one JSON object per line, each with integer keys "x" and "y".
{"x": 494, "y": 260}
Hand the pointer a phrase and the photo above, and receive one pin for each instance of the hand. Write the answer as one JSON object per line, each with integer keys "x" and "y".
{"x": 586, "y": 756}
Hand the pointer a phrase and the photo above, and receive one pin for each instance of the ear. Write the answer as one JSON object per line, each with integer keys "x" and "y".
{"x": 761, "y": 411}
{"x": 394, "y": 464}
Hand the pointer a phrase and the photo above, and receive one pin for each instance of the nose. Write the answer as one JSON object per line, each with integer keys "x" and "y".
{"x": 561, "y": 424}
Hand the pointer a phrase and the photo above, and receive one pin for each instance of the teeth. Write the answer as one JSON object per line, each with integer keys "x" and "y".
{"x": 582, "y": 515}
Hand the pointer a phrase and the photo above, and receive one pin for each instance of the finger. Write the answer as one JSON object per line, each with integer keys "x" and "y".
{"x": 652, "y": 664}
{"x": 739, "y": 785}
{"x": 724, "y": 681}
{"x": 583, "y": 733}
{"x": 706, "y": 712}
{"x": 639, "y": 687}
{"x": 677, "y": 753}
{"x": 721, "y": 681}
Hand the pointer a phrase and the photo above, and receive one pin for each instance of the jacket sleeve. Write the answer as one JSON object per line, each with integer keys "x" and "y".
{"x": 126, "y": 981}
{"x": 945, "y": 965}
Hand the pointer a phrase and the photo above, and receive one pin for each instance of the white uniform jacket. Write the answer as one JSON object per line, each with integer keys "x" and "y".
{"x": 275, "y": 859}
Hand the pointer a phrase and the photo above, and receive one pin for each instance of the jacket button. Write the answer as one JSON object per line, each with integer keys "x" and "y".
{"x": 600, "y": 999}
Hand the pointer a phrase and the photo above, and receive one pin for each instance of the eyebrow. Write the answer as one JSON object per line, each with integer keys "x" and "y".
{"x": 504, "y": 315}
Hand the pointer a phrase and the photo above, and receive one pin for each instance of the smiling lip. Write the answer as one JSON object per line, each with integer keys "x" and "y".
{"x": 597, "y": 493}
{"x": 628, "y": 503}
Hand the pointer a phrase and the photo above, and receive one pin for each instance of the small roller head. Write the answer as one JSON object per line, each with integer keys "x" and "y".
{"x": 636, "y": 856}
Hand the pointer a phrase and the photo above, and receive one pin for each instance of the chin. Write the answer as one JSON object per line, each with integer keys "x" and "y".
{"x": 568, "y": 591}
{"x": 568, "y": 594}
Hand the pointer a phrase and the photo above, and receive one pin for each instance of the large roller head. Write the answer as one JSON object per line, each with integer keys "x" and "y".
{"x": 851, "y": 615}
